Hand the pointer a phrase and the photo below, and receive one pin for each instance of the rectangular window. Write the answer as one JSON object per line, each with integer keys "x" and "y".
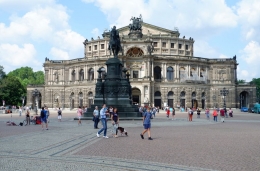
{"x": 102, "y": 46}
{"x": 89, "y": 48}
{"x": 172, "y": 45}
{"x": 180, "y": 45}
{"x": 154, "y": 44}
{"x": 135, "y": 74}
{"x": 164, "y": 44}
{"x": 187, "y": 47}
{"x": 95, "y": 47}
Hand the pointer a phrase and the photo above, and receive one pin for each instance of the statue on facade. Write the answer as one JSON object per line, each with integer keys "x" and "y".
{"x": 114, "y": 42}
{"x": 136, "y": 24}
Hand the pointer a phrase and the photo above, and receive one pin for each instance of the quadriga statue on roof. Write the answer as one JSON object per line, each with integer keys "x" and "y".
{"x": 114, "y": 42}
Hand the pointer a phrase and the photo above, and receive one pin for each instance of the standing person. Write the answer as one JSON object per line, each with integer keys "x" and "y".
{"x": 47, "y": 114}
{"x": 190, "y": 113}
{"x": 147, "y": 124}
{"x": 225, "y": 109}
{"x": 115, "y": 121}
{"x": 198, "y": 113}
{"x": 215, "y": 115}
{"x": 79, "y": 112}
{"x": 141, "y": 110}
{"x": 207, "y": 113}
{"x": 59, "y": 114}
{"x": 103, "y": 116}
{"x": 173, "y": 113}
{"x": 44, "y": 118}
{"x": 27, "y": 117}
{"x": 154, "y": 111}
{"x": 230, "y": 112}
{"x": 222, "y": 115}
{"x": 167, "y": 112}
{"x": 96, "y": 117}
{"x": 20, "y": 111}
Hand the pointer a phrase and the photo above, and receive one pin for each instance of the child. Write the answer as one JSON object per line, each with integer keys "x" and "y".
{"x": 147, "y": 124}
{"x": 115, "y": 121}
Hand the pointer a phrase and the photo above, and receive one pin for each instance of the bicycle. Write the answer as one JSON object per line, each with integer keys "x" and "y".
{"x": 32, "y": 121}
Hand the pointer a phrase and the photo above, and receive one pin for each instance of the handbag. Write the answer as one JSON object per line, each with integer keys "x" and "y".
{"x": 93, "y": 119}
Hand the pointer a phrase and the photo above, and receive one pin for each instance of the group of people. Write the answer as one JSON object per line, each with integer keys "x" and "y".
{"x": 102, "y": 116}
{"x": 222, "y": 112}
{"x": 111, "y": 112}
{"x": 170, "y": 110}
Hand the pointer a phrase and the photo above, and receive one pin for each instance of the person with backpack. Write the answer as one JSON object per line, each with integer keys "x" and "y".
{"x": 79, "y": 112}
{"x": 44, "y": 118}
{"x": 27, "y": 117}
{"x": 190, "y": 113}
{"x": 47, "y": 114}
{"x": 59, "y": 114}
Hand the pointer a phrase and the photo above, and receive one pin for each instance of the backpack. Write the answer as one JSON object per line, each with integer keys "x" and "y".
{"x": 42, "y": 114}
{"x": 191, "y": 112}
{"x": 59, "y": 112}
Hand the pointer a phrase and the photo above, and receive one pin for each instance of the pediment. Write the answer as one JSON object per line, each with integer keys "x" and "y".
{"x": 150, "y": 29}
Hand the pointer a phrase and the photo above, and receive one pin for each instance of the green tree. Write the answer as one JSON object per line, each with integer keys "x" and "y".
{"x": 241, "y": 81}
{"x": 11, "y": 90}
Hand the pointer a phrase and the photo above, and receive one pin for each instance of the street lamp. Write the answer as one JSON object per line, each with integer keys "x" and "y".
{"x": 224, "y": 93}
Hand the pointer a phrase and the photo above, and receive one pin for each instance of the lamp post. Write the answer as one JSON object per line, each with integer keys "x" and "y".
{"x": 224, "y": 93}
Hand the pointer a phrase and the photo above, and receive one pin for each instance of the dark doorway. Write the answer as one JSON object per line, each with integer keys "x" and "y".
{"x": 244, "y": 99}
{"x": 203, "y": 103}
{"x": 157, "y": 99}
{"x": 136, "y": 99}
{"x": 170, "y": 99}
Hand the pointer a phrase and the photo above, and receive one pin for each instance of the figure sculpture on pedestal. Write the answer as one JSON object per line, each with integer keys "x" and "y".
{"x": 114, "y": 42}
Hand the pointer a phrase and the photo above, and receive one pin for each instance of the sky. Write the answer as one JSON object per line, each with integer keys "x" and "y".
{"x": 32, "y": 30}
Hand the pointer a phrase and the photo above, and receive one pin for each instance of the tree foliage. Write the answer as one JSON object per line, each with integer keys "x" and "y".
{"x": 241, "y": 81}
{"x": 11, "y": 90}
{"x": 2, "y": 73}
{"x": 27, "y": 76}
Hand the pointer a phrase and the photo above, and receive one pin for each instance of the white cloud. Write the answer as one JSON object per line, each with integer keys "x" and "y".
{"x": 59, "y": 54}
{"x": 203, "y": 49}
{"x": 210, "y": 16}
{"x": 222, "y": 56}
{"x": 13, "y": 56}
{"x": 251, "y": 53}
{"x": 21, "y": 5}
{"x": 249, "y": 17}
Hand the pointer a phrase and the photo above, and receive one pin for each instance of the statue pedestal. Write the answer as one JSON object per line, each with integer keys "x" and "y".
{"x": 114, "y": 91}
{"x": 135, "y": 34}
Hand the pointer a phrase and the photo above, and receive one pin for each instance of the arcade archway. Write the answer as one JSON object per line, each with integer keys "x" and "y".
{"x": 157, "y": 99}
{"x": 244, "y": 99}
{"x": 170, "y": 99}
{"x": 136, "y": 96}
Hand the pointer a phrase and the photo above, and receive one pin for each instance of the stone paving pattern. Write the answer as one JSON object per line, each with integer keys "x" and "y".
{"x": 177, "y": 145}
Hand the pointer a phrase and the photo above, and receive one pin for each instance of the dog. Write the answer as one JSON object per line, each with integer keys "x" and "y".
{"x": 122, "y": 131}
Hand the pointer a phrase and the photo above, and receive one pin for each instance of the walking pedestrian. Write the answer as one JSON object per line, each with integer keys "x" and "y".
{"x": 115, "y": 121}
{"x": 47, "y": 114}
{"x": 207, "y": 113}
{"x": 147, "y": 124}
{"x": 230, "y": 113}
{"x": 103, "y": 115}
{"x": 27, "y": 117}
{"x": 225, "y": 109}
{"x": 215, "y": 115}
{"x": 59, "y": 114}
{"x": 173, "y": 113}
{"x": 20, "y": 111}
{"x": 198, "y": 113}
{"x": 79, "y": 112}
{"x": 44, "y": 119}
{"x": 167, "y": 112}
{"x": 190, "y": 113}
{"x": 222, "y": 115}
{"x": 96, "y": 117}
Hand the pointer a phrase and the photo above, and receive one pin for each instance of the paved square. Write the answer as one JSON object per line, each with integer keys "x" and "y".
{"x": 177, "y": 145}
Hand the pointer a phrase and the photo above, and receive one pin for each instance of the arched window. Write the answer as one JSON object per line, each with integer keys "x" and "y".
{"x": 81, "y": 75}
{"x": 91, "y": 74}
{"x": 80, "y": 99}
{"x": 193, "y": 95}
{"x": 134, "y": 52}
{"x": 182, "y": 95}
{"x": 73, "y": 75}
{"x": 157, "y": 73}
{"x": 169, "y": 73}
{"x": 103, "y": 73}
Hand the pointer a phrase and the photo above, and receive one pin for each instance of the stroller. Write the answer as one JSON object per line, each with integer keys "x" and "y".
{"x": 231, "y": 114}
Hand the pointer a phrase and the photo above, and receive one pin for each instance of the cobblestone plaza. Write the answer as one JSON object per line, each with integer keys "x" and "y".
{"x": 177, "y": 145}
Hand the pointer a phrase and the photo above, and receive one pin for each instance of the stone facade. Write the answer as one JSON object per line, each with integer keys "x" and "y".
{"x": 163, "y": 71}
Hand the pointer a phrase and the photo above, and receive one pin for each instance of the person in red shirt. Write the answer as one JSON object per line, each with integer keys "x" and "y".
{"x": 168, "y": 112}
{"x": 215, "y": 115}
{"x": 222, "y": 114}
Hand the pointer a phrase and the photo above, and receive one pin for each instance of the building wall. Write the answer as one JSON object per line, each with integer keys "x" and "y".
{"x": 63, "y": 82}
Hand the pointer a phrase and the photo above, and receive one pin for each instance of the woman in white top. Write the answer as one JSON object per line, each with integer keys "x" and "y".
{"x": 96, "y": 117}
{"x": 79, "y": 112}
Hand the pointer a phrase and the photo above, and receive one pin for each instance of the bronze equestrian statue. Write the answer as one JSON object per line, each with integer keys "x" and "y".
{"x": 114, "y": 42}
